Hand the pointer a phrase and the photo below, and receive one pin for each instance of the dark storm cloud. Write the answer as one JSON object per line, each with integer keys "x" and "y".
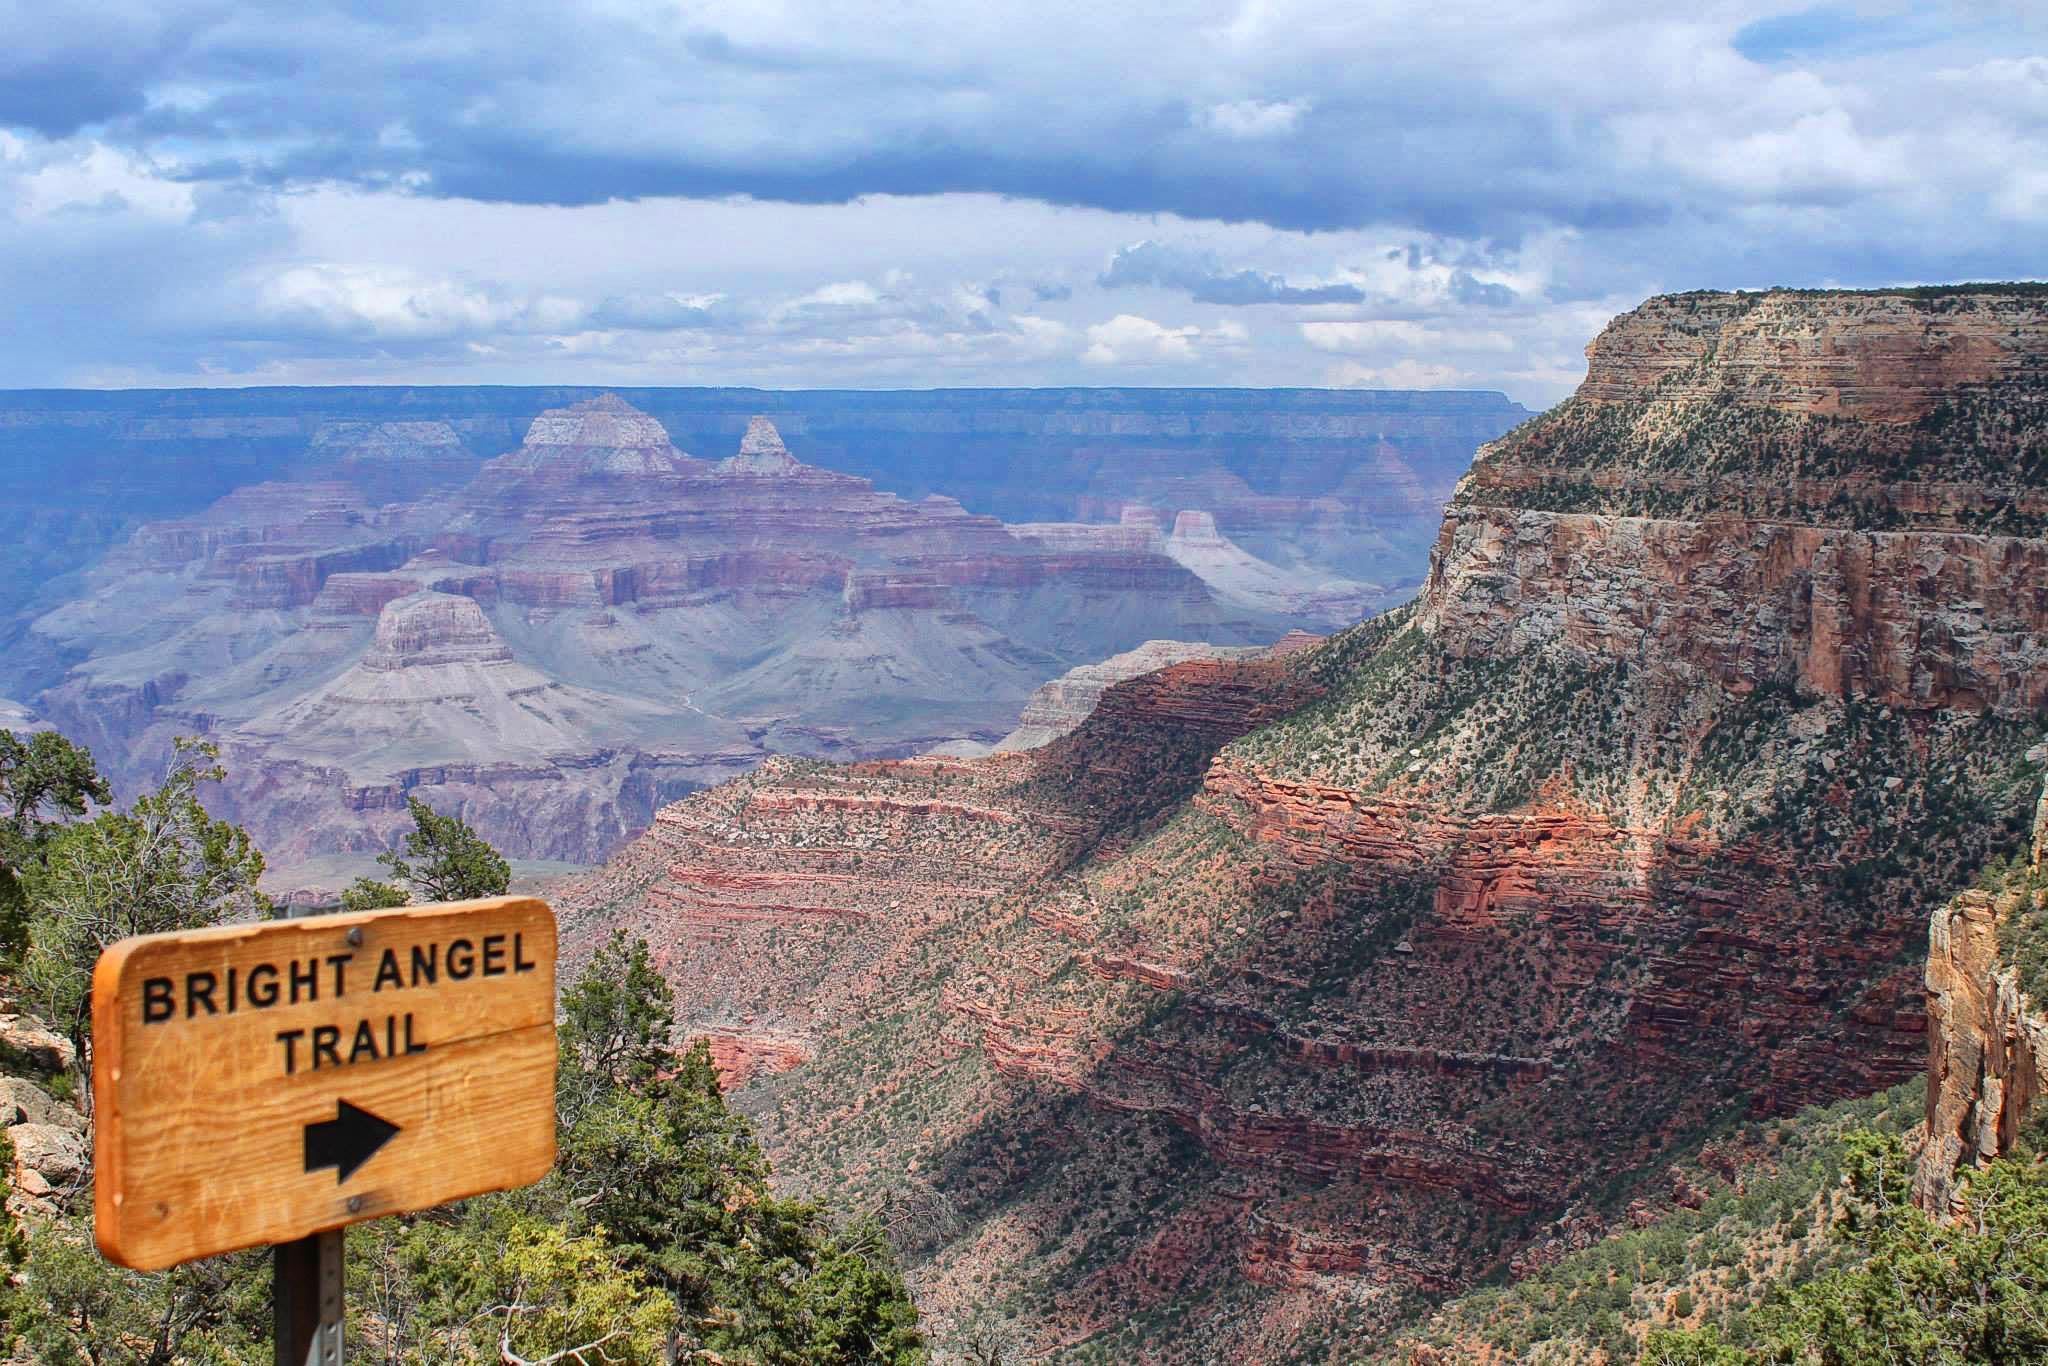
{"x": 1166, "y": 267}
{"x": 540, "y": 104}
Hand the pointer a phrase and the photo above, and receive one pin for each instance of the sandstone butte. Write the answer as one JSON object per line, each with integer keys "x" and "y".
{"x": 1285, "y": 994}
{"x": 596, "y": 623}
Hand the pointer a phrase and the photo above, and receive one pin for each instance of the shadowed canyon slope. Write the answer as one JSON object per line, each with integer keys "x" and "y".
{"x": 557, "y": 640}
{"x": 1285, "y": 993}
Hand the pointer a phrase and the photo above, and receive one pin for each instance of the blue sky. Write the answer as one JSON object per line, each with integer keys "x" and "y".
{"x": 1428, "y": 193}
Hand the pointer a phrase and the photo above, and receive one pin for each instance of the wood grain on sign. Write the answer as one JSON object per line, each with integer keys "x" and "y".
{"x": 257, "y": 1083}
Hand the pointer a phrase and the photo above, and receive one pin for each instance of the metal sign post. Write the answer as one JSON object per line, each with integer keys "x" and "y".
{"x": 306, "y": 1289}
{"x": 306, "y": 1284}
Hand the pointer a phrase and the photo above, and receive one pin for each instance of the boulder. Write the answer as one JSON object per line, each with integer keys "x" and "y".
{"x": 27, "y": 1044}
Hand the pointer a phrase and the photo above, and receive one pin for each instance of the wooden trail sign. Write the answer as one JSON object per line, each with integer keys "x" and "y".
{"x": 259, "y": 1083}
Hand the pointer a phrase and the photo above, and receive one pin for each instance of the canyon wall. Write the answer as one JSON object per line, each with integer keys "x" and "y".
{"x": 1279, "y": 997}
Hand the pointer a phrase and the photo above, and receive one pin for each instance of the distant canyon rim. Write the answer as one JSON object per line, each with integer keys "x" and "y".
{"x": 339, "y": 589}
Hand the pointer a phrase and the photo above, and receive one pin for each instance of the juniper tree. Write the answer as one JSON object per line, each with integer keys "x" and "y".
{"x": 444, "y": 860}
{"x": 43, "y": 779}
{"x": 163, "y": 864}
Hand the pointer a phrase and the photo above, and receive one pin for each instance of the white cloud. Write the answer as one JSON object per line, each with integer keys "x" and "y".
{"x": 1408, "y": 373}
{"x": 1137, "y": 340}
{"x": 840, "y": 294}
{"x": 1128, "y": 339}
{"x": 1250, "y": 120}
{"x": 383, "y": 302}
{"x": 56, "y": 178}
{"x": 1382, "y": 333}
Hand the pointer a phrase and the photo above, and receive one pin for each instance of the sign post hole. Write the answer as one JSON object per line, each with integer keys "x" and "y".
{"x": 273, "y": 1083}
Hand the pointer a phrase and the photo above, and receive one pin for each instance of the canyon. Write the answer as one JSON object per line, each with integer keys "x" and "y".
{"x": 1288, "y": 993}
{"x": 1352, "y": 480}
{"x": 557, "y": 640}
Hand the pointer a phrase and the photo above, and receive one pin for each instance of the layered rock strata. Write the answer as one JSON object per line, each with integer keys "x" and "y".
{"x": 1350, "y": 481}
{"x": 1058, "y": 708}
{"x": 1217, "y": 1029}
{"x": 653, "y": 622}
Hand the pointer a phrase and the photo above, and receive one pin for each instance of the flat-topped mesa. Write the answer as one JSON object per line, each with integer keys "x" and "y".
{"x": 1880, "y": 411}
{"x": 1837, "y": 492}
{"x": 1193, "y": 527}
{"x": 1880, "y": 356}
{"x": 433, "y": 628}
{"x": 761, "y": 452}
{"x": 1144, "y": 518}
{"x": 603, "y": 436}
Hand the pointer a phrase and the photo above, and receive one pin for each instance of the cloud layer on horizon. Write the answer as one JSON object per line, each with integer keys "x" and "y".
{"x": 903, "y": 194}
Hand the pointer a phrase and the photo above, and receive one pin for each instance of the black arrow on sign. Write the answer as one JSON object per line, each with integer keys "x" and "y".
{"x": 347, "y": 1141}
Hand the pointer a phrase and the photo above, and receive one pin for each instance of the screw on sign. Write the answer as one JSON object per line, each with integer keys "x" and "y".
{"x": 273, "y": 1083}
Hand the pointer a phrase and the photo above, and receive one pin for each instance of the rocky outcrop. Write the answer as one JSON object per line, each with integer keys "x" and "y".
{"x": 47, "y": 1136}
{"x": 740, "y": 1058}
{"x": 1987, "y": 1056}
{"x": 1884, "y": 410}
{"x": 428, "y": 629}
{"x": 601, "y": 438}
{"x": 761, "y": 452}
{"x": 1909, "y": 619}
{"x": 1059, "y": 707}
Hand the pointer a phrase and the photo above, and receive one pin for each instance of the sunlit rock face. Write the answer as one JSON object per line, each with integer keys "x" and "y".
{"x": 1987, "y": 1037}
{"x": 1284, "y": 988}
{"x": 761, "y": 452}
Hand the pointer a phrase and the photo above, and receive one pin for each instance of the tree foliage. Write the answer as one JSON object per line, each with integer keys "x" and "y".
{"x": 43, "y": 780}
{"x": 656, "y": 1239}
{"x": 1914, "y": 1291}
{"x": 72, "y": 1308}
{"x": 444, "y": 860}
{"x": 163, "y": 864}
{"x": 616, "y": 1020}
{"x": 489, "y": 1281}
{"x": 1926, "y": 1292}
{"x": 1691, "y": 1347}
{"x": 368, "y": 894}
